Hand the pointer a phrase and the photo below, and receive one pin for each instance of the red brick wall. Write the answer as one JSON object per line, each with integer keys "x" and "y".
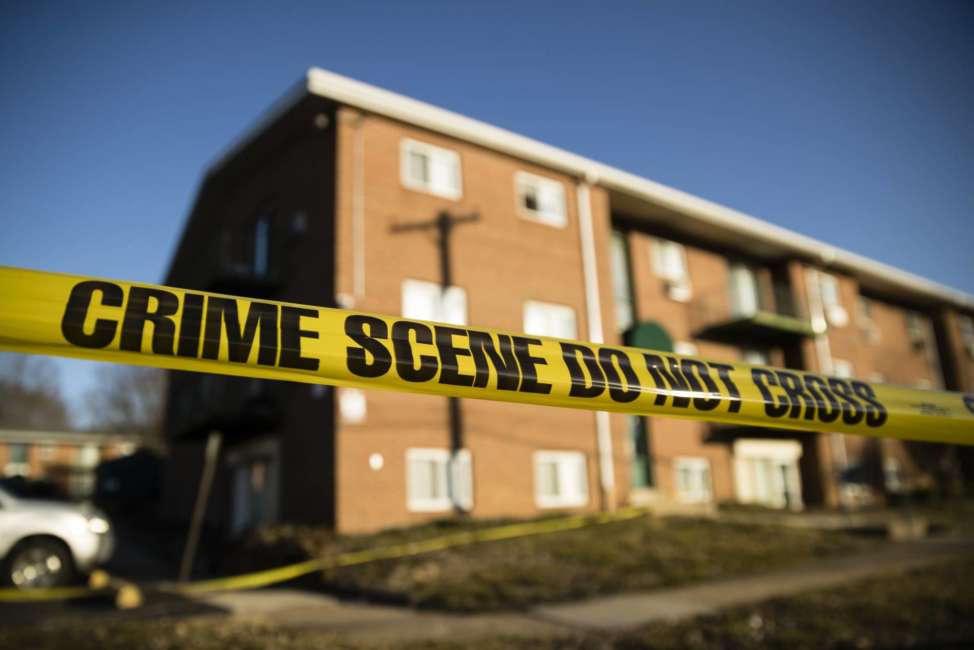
{"x": 501, "y": 261}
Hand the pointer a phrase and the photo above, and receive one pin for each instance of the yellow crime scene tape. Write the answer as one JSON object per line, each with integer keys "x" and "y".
{"x": 258, "y": 579}
{"x": 122, "y": 322}
{"x": 408, "y": 549}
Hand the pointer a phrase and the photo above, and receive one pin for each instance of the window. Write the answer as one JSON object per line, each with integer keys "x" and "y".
{"x": 916, "y": 329}
{"x": 755, "y": 357}
{"x": 966, "y": 326}
{"x": 744, "y": 297}
{"x": 18, "y": 452}
{"x": 540, "y": 199}
{"x": 669, "y": 260}
{"x": 428, "y": 301}
{"x": 262, "y": 236}
{"x": 832, "y": 300}
{"x": 547, "y": 319}
{"x": 88, "y": 456}
{"x": 893, "y": 475}
{"x": 692, "y": 480}
{"x": 865, "y": 318}
{"x": 560, "y": 479}
{"x": 428, "y": 474}
{"x": 641, "y": 470}
{"x": 431, "y": 169}
{"x": 621, "y": 283}
{"x": 842, "y": 368}
{"x": 17, "y": 463}
{"x": 670, "y": 263}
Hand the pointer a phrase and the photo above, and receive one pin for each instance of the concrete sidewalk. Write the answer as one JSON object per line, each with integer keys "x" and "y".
{"x": 361, "y": 621}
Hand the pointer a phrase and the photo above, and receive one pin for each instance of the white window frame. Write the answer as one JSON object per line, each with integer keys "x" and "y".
{"x": 557, "y": 218}
{"x": 831, "y": 294}
{"x": 449, "y": 306}
{"x": 917, "y": 328}
{"x": 693, "y": 464}
{"x": 432, "y": 152}
{"x": 550, "y": 309}
{"x": 843, "y": 369}
{"x": 865, "y": 308}
{"x": 419, "y": 503}
{"x": 755, "y": 356}
{"x": 88, "y": 455}
{"x": 566, "y": 464}
{"x": 677, "y": 280}
{"x": 660, "y": 248}
{"x": 18, "y": 467}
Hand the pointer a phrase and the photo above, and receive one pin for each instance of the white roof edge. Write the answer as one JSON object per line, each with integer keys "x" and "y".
{"x": 348, "y": 91}
{"x": 268, "y": 116}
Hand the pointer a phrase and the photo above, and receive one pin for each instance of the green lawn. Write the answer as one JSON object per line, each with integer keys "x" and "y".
{"x": 644, "y": 553}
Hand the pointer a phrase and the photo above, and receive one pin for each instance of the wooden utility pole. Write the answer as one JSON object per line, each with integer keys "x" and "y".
{"x": 211, "y": 455}
{"x": 443, "y": 225}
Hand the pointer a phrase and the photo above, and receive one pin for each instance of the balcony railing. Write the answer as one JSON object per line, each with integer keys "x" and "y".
{"x": 745, "y": 315}
{"x": 240, "y": 280}
{"x": 201, "y": 403}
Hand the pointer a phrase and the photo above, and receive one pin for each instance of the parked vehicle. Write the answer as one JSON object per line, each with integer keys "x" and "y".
{"x": 49, "y": 543}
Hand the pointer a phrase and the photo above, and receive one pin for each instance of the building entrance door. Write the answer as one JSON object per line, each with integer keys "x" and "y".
{"x": 255, "y": 486}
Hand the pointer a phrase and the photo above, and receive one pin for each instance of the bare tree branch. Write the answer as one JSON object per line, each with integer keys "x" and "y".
{"x": 30, "y": 394}
{"x": 130, "y": 400}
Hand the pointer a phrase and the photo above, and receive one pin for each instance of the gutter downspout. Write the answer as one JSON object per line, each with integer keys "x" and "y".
{"x": 356, "y": 292}
{"x": 593, "y": 310}
{"x": 823, "y": 352}
{"x": 358, "y": 211}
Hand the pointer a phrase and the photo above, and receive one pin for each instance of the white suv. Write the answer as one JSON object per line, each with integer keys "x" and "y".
{"x": 47, "y": 543}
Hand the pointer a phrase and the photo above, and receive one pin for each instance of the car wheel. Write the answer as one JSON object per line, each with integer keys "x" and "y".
{"x": 39, "y": 563}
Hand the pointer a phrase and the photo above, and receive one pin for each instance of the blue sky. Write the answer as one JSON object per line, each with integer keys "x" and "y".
{"x": 849, "y": 122}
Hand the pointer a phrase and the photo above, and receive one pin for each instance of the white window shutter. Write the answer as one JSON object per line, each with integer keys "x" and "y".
{"x": 420, "y": 300}
{"x": 420, "y": 479}
{"x": 453, "y": 308}
{"x": 580, "y": 479}
{"x": 462, "y": 475}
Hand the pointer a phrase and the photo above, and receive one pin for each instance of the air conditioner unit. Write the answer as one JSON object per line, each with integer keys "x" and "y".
{"x": 678, "y": 290}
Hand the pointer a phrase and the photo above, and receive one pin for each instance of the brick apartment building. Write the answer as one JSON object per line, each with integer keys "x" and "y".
{"x": 65, "y": 459}
{"x": 310, "y": 208}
